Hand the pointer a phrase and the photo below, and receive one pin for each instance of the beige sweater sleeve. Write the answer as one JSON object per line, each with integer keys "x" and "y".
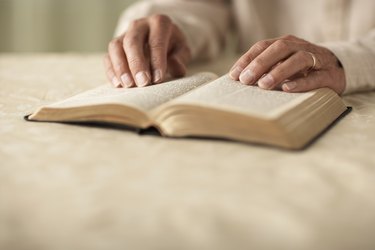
{"x": 204, "y": 23}
{"x": 358, "y": 60}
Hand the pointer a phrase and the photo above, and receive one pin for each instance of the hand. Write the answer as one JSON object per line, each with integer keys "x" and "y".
{"x": 151, "y": 48}
{"x": 289, "y": 63}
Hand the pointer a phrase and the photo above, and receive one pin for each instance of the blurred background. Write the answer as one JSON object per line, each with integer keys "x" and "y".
{"x": 58, "y": 25}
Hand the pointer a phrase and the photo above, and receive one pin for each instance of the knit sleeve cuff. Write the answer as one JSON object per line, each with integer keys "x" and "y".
{"x": 359, "y": 65}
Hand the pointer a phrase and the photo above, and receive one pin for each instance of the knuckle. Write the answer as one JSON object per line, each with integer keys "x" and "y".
{"x": 261, "y": 45}
{"x": 258, "y": 63}
{"x": 135, "y": 62}
{"x": 157, "y": 43}
{"x": 246, "y": 58}
{"x": 114, "y": 44}
{"x": 131, "y": 40}
{"x": 136, "y": 23}
{"x": 242, "y": 64}
{"x": 281, "y": 45}
{"x": 155, "y": 60}
{"x": 161, "y": 19}
{"x": 119, "y": 67}
{"x": 289, "y": 37}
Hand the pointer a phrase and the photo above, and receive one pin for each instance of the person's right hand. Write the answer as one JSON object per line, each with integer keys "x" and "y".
{"x": 151, "y": 48}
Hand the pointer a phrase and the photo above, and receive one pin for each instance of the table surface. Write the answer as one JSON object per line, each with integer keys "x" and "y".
{"x": 75, "y": 187}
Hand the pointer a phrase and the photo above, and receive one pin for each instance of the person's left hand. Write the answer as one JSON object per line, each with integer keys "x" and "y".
{"x": 289, "y": 63}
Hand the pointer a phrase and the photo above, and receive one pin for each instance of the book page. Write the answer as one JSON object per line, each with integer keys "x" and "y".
{"x": 145, "y": 98}
{"x": 225, "y": 93}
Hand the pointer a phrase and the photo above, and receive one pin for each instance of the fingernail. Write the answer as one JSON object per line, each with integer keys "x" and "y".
{"x": 266, "y": 82}
{"x": 116, "y": 82}
{"x": 235, "y": 73}
{"x": 142, "y": 79}
{"x": 289, "y": 86}
{"x": 247, "y": 77}
{"x": 126, "y": 80}
{"x": 157, "y": 76}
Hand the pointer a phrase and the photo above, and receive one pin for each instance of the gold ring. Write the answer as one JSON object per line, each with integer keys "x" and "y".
{"x": 314, "y": 62}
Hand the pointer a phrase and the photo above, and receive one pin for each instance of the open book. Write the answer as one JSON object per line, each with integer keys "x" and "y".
{"x": 204, "y": 105}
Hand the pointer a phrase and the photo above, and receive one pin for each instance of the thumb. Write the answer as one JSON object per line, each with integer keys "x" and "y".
{"x": 177, "y": 61}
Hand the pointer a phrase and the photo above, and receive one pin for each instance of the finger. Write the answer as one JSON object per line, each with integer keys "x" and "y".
{"x": 179, "y": 53}
{"x": 134, "y": 47}
{"x": 119, "y": 62}
{"x": 249, "y": 56}
{"x": 297, "y": 63}
{"x": 175, "y": 67}
{"x": 177, "y": 61}
{"x": 110, "y": 73}
{"x": 159, "y": 38}
{"x": 277, "y": 51}
{"x": 314, "y": 80}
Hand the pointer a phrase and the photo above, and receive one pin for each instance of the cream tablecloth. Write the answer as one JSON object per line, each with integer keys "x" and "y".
{"x": 74, "y": 187}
